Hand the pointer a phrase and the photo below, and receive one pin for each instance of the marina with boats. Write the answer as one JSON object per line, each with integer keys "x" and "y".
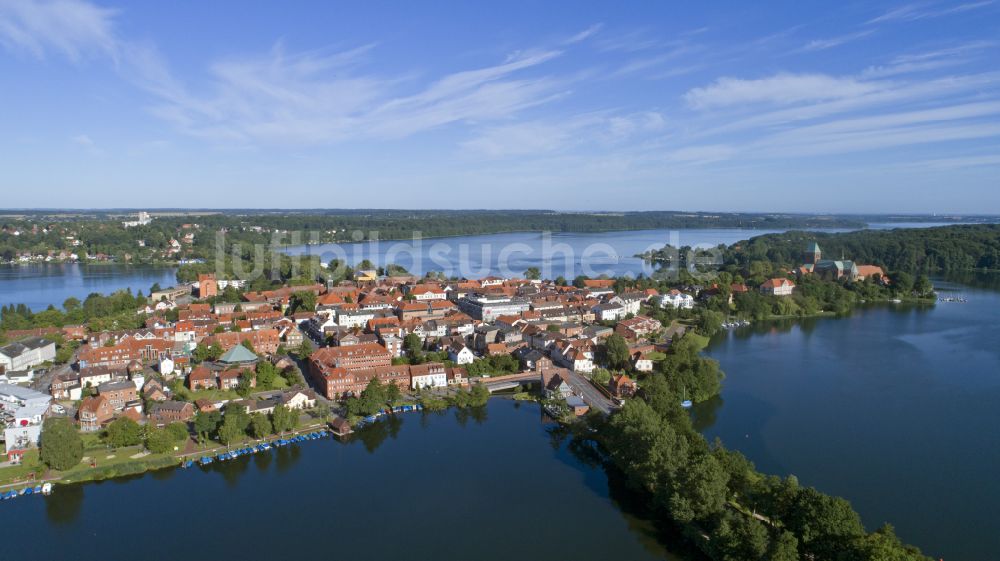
{"x": 255, "y": 449}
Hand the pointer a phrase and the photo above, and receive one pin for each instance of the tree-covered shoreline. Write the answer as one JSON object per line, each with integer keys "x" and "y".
{"x": 98, "y": 236}
{"x": 913, "y": 250}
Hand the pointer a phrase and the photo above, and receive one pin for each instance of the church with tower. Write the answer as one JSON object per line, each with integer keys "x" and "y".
{"x": 835, "y": 269}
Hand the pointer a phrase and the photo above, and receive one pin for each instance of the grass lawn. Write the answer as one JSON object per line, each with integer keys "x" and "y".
{"x": 113, "y": 463}
{"x": 110, "y": 463}
{"x": 29, "y": 464}
{"x": 700, "y": 341}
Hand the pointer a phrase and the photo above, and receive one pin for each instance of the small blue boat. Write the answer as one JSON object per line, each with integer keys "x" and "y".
{"x": 205, "y": 460}
{"x": 28, "y": 490}
{"x": 686, "y": 404}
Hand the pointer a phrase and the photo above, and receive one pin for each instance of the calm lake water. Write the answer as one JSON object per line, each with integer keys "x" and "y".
{"x": 895, "y": 408}
{"x": 488, "y": 485}
{"x": 554, "y": 254}
{"x": 39, "y": 285}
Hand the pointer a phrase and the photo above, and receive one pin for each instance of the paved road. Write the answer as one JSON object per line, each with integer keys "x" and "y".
{"x": 583, "y": 388}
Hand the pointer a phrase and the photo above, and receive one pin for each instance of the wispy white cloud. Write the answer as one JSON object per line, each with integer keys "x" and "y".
{"x": 919, "y": 11}
{"x": 954, "y": 163}
{"x": 823, "y": 44}
{"x": 777, "y": 89}
{"x": 632, "y": 41}
{"x": 653, "y": 64}
{"x": 702, "y": 154}
{"x": 285, "y": 97}
{"x": 884, "y": 95}
{"x": 73, "y": 28}
{"x": 538, "y": 137}
{"x": 585, "y": 34}
{"x": 932, "y": 60}
{"x": 310, "y": 98}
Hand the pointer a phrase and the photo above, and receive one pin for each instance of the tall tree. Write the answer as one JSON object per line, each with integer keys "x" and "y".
{"x": 123, "y": 432}
{"x": 159, "y": 441}
{"x": 616, "y": 351}
{"x": 260, "y": 425}
{"x": 62, "y": 447}
{"x": 205, "y": 424}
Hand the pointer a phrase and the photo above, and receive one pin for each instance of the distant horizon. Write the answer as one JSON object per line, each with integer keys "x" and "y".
{"x": 155, "y": 210}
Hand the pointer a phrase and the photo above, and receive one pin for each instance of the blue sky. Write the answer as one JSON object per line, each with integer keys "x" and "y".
{"x": 791, "y": 106}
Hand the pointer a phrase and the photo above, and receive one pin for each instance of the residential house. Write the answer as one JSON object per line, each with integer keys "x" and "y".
{"x": 94, "y": 412}
{"x": 677, "y": 300}
{"x": 205, "y": 406}
{"x": 637, "y": 327}
{"x": 459, "y": 353}
{"x": 609, "y": 311}
{"x": 201, "y": 378}
{"x": 167, "y": 412}
{"x": 66, "y": 386}
{"x": 777, "y": 287}
{"x": 297, "y": 399}
{"x": 641, "y": 361}
{"x": 554, "y": 383}
{"x": 621, "y": 386}
{"x": 428, "y": 375}
{"x": 119, "y": 394}
{"x": 230, "y": 379}
{"x": 577, "y": 405}
{"x": 457, "y": 376}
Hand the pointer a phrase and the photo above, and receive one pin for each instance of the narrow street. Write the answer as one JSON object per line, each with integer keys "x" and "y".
{"x": 583, "y": 388}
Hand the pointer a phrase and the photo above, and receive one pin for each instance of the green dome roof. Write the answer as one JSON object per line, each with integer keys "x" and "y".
{"x": 239, "y": 353}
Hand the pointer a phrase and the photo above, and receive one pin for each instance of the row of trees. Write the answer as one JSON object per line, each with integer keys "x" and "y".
{"x": 374, "y": 398}
{"x": 124, "y": 432}
{"x": 236, "y": 425}
{"x": 114, "y": 311}
{"x": 62, "y": 446}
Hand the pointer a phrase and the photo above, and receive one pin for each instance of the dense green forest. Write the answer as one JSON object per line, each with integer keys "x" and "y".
{"x": 914, "y": 250}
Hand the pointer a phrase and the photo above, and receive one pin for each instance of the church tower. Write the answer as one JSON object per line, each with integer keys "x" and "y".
{"x": 812, "y": 254}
